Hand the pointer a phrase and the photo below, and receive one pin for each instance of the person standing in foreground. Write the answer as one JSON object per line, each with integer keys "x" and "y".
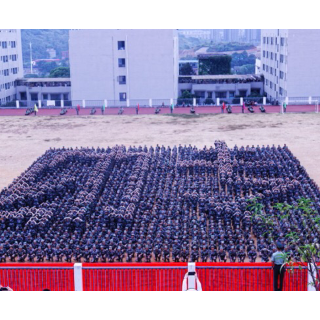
{"x": 171, "y": 108}
{"x": 78, "y": 109}
{"x": 243, "y": 108}
{"x": 35, "y": 109}
{"x": 284, "y": 107}
{"x": 103, "y": 108}
{"x": 279, "y": 269}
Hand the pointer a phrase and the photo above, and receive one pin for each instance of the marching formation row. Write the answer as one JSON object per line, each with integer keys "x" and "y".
{"x": 155, "y": 204}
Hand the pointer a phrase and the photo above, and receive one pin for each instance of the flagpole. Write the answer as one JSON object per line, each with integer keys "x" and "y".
{"x": 30, "y": 58}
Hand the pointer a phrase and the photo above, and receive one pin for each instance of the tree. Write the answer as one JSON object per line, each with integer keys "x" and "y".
{"x": 309, "y": 252}
{"x": 60, "y": 72}
{"x": 186, "y": 69}
{"x": 214, "y": 65}
{"x": 45, "y": 67}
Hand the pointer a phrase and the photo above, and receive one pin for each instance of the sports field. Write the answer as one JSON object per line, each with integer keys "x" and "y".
{"x": 23, "y": 139}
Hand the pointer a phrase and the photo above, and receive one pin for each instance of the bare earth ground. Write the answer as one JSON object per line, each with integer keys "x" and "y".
{"x": 24, "y": 139}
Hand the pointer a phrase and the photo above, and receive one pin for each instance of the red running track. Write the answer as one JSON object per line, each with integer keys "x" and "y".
{"x": 151, "y": 110}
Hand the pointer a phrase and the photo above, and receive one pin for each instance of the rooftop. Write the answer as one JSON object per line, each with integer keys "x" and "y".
{"x": 44, "y": 79}
{"x": 223, "y": 76}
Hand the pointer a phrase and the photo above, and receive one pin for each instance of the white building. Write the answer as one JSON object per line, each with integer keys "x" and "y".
{"x": 252, "y": 35}
{"x": 11, "y": 66}
{"x": 231, "y": 35}
{"x": 124, "y": 65}
{"x": 196, "y": 33}
{"x": 290, "y": 63}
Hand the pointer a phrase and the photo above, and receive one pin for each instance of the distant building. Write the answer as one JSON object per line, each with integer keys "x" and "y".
{"x": 215, "y": 35}
{"x": 10, "y": 63}
{"x": 52, "y": 53}
{"x": 252, "y": 36}
{"x": 225, "y": 87}
{"x": 124, "y": 65}
{"x": 196, "y": 33}
{"x": 290, "y": 62}
{"x": 35, "y": 62}
{"x": 231, "y": 35}
{"x": 30, "y": 90}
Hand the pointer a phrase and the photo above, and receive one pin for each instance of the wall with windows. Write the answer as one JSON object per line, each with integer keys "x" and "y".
{"x": 290, "y": 62}
{"x": 10, "y": 63}
{"x": 123, "y": 64}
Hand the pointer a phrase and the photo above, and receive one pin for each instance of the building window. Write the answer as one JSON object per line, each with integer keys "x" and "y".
{"x": 282, "y": 42}
{"x": 121, "y": 45}
{"x": 14, "y": 57}
{"x": 280, "y": 91}
{"x": 34, "y": 96}
{"x": 271, "y": 85}
{"x": 122, "y": 79}
{"x": 267, "y": 68}
{"x": 275, "y": 56}
{"x": 4, "y": 44}
{"x": 55, "y": 96}
{"x": 122, "y": 96}
{"x": 45, "y": 96}
{"x": 267, "y": 82}
{"x": 267, "y": 40}
{"x": 15, "y": 70}
{"x": 275, "y": 87}
{"x": 231, "y": 94}
{"x": 264, "y": 53}
{"x": 264, "y": 40}
{"x": 243, "y": 93}
{"x": 271, "y": 40}
{"x": 267, "y": 54}
{"x": 271, "y": 70}
{"x": 201, "y": 94}
{"x": 65, "y": 96}
{"x": 220, "y": 94}
{"x": 5, "y": 58}
{"x": 264, "y": 67}
{"x": 121, "y": 63}
{"x": 209, "y": 95}
{"x": 13, "y": 44}
{"x": 281, "y": 58}
{"x": 271, "y": 55}
{"x": 23, "y": 96}
{"x": 6, "y": 72}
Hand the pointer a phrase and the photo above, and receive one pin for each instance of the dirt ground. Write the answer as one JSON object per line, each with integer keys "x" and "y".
{"x": 24, "y": 139}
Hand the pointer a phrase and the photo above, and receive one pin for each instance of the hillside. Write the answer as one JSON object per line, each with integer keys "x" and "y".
{"x": 43, "y": 39}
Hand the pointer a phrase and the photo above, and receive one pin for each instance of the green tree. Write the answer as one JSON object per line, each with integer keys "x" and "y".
{"x": 60, "y": 72}
{"x": 186, "y": 70}
{"x": 309, "y": 252}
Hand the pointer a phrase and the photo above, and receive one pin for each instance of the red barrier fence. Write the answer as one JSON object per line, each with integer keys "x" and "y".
{"x": 148, "y": 277}
{"x": 248, "y": 277}
{"x": 133, "y": 277}
{"x": 37, "y": 277}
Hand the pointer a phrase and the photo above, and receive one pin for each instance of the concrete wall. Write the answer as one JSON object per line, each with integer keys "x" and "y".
{"x": 151, "y": 64}
{"x": 303, "y": 63}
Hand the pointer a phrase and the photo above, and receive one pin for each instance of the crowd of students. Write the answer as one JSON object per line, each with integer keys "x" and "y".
{"x": 142, "y": 204}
